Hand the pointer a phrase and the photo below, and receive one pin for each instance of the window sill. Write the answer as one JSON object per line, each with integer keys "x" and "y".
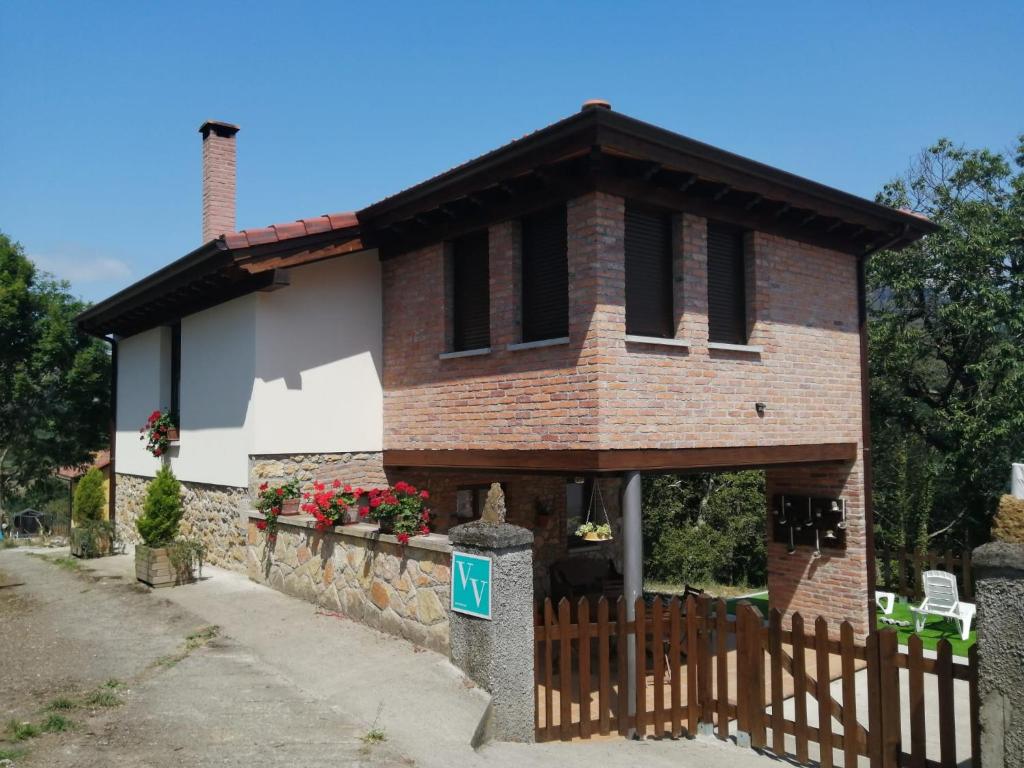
{"x": 464, "y": 353}
{"x": 752, "y": 348}
{"x": 657, "y": 340}
{"x": 537, "y": 344}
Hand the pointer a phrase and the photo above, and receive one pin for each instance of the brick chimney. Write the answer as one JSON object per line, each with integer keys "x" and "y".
{"x": 219, "y": 178}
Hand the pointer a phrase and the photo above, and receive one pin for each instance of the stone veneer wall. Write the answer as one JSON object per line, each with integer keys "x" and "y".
{"x": 360, "y": 469}
{"x": 214, "y": 514}
{"x": 404, "y": 591}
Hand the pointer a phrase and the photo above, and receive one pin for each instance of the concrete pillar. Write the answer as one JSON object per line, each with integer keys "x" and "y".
{"x": 497, "y": 653}
{"x": 633, "y": 568}
{"x": 999, "y": 592}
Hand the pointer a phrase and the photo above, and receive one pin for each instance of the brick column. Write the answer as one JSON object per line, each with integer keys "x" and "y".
{"x": 834, "y": 585}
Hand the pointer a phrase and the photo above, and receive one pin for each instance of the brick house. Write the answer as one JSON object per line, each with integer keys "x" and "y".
{"x": 599, "y": 299}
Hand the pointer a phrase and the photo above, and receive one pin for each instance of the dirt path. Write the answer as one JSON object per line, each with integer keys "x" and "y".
{"x": 147, "y": 683}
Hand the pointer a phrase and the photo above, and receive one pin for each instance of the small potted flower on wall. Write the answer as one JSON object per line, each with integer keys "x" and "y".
{"x": 276, "y": 501}
{"x": 160, "y": 431}
{"x": 400, "y": 510}
{"x": 332, "y": 506}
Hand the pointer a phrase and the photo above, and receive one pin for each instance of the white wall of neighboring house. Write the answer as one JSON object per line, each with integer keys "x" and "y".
{"x": 318, "y": 360}
{"x": 292, "y": 371}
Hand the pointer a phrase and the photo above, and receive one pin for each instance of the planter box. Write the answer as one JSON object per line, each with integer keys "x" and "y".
{"x": 153, "y": 566}
{"x": 79, "y": 544}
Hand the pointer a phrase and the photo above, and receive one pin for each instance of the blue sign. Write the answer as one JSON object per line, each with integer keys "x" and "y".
{"x": 471, "y": 584}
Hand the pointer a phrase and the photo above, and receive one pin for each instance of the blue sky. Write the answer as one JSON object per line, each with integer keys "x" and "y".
{"x": 344, "y": 103}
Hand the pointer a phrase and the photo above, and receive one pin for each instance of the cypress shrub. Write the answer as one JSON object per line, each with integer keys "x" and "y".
{"x": 162, "y": 510}
{"x": 89, "y": 498}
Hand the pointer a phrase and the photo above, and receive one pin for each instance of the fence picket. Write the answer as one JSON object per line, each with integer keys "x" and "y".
{"x": 622, "y": 666}
{"x": 658, "y": 652}
{"x": 641, "y": 667}
{"x": 800, "y": 687}
{"x": 692, "y": 700}
{"x": 947, "y": 723}
{"x": 675, "y": 665}
{"x": 775, "y": 657}
{"x": 850, "y": 733}
{"x": 705, "y": 694}
{"x": 874, "y": 702}
{"x": 889, "y": 698}
{"x": 722, "y": 669}
{"x": 975, "y": 705}
{"x": 564, "y": 670}
{"x": 915, "y": 666}
{"x": 824, "y": 692}
{"x": 604, "y": 669}
{"x": 583, "y": 647}
{"x": 549, "y": 674}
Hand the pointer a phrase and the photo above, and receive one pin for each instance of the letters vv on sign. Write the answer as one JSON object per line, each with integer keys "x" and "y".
{"x": 471, "y": 584}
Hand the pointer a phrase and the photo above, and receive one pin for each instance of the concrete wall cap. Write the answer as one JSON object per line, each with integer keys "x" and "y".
{"x": 999, "y": 555}
{"x": 490, "y": 536}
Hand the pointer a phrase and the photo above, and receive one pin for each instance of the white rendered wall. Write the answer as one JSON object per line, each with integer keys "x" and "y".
{"x": 143, "y": 385}
{"x": 217, "y": 364}
{"x": 292, "y": 371}
{"x": 318, "y": 360}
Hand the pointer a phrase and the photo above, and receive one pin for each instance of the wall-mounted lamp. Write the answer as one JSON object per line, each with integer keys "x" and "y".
{"x": 760, "y": 408}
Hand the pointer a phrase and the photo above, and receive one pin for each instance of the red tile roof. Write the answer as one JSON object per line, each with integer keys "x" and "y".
{"x": 100, "y": 460}
{"x": 277, "y": 232}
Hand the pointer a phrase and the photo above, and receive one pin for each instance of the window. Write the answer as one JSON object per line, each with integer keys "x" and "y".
{"x": 176, "y": 372}
{"x": 648, "y": 273}
{"x": 471, "y": 303}
{"x": 470, "y": 500}
{"x": 545, "y": 265}
{"x": 727, "y": 311}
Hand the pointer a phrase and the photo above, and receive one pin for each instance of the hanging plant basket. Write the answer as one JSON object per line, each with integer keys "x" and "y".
{"x": 592, "y": 530}
{"x": 595, "y": 536}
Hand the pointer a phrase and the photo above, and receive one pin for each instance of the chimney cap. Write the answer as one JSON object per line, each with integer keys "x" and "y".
{"x": 595, "y": 104}
{"x": 222, "y": 129}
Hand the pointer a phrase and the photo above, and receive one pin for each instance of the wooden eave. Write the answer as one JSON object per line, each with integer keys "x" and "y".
{"x": 602, "y": 150}
{"x": 596, "y": 461}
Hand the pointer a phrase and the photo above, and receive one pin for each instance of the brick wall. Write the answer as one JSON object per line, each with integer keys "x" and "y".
{"x": 834, "y": 585}
{"x": 219, "y": 181}
{"x": 599, "y": 390}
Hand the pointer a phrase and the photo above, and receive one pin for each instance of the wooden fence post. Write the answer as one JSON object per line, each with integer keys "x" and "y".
{"x": 889, "y": 699}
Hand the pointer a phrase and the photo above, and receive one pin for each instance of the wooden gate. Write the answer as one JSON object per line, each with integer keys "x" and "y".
{"x": 806, "y": 692}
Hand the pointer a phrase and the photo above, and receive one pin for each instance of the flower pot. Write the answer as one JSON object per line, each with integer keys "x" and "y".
{"x": 86, "y": 544}
{"x": 594, "y": 536}
{"x": 289, "y": 507}
{"x": 172, "y": 434}
{"x": 153, "y": 566}
{"x": 386, "y": 525}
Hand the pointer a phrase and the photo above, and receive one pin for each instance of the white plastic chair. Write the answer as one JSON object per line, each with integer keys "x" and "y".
{"x": 941, "y": 599}
{"x": 885, "y": 600}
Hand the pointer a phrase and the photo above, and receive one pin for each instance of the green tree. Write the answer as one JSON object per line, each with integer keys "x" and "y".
{"x": 89, "y": 498}
{"x": 705, "y": 527}
{"x": 947, "y": 348}
{"x": 161, "y": 511}
{"x": 54, "y": 381}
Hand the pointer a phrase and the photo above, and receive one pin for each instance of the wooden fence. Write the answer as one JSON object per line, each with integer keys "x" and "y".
{"x": 804, "y": 692}
{"x": 900, "y": 571}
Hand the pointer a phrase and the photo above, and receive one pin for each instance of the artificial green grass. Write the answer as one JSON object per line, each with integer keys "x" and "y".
{"x": 936, "y": 628}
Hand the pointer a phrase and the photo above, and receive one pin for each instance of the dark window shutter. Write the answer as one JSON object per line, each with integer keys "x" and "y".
{"x": 545, "y": 291}
{"x": 648, "y": 273}
{"x": 176, "y": 372}
{"x": 727, "y": 311}
{"x": 471, "y": 310}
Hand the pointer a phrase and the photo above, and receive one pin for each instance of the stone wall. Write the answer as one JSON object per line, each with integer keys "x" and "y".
{"x": 214, "y": 514}
{"x": 360, "y": 469}
{"x": 369, "y": 577}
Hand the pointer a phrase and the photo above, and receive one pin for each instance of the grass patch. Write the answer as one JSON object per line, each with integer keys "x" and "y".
{"x": 61, "y": 561}
{"x": 103, "y": 697}
{"x": 60, "y": 705}
{"x": 18, "y": 731}
{"x": 9, "y": 543}
{"x": 57, "y": 724}
{"x": 12, "y": 754}
{"x": 375, "y": 735}
{"x": 934, "y": 630}
{"x": 194, "y": 640}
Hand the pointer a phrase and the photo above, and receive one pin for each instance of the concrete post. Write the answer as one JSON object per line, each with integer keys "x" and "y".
{"x": 633, "y": 568}
{"x": 999, "y": 592}
{"x": 497, "y": 653}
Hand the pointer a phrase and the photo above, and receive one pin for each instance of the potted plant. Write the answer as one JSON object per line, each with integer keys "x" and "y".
{"x": 279, "y": 499}
{"x": 163, "y": 560}
{"x": 594, "y": 531}
{"x": 92, "y": 536}
{"x": 160, "y": 431}
{"x": 332, "y": 506}
{"x": 400, "y": 509}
